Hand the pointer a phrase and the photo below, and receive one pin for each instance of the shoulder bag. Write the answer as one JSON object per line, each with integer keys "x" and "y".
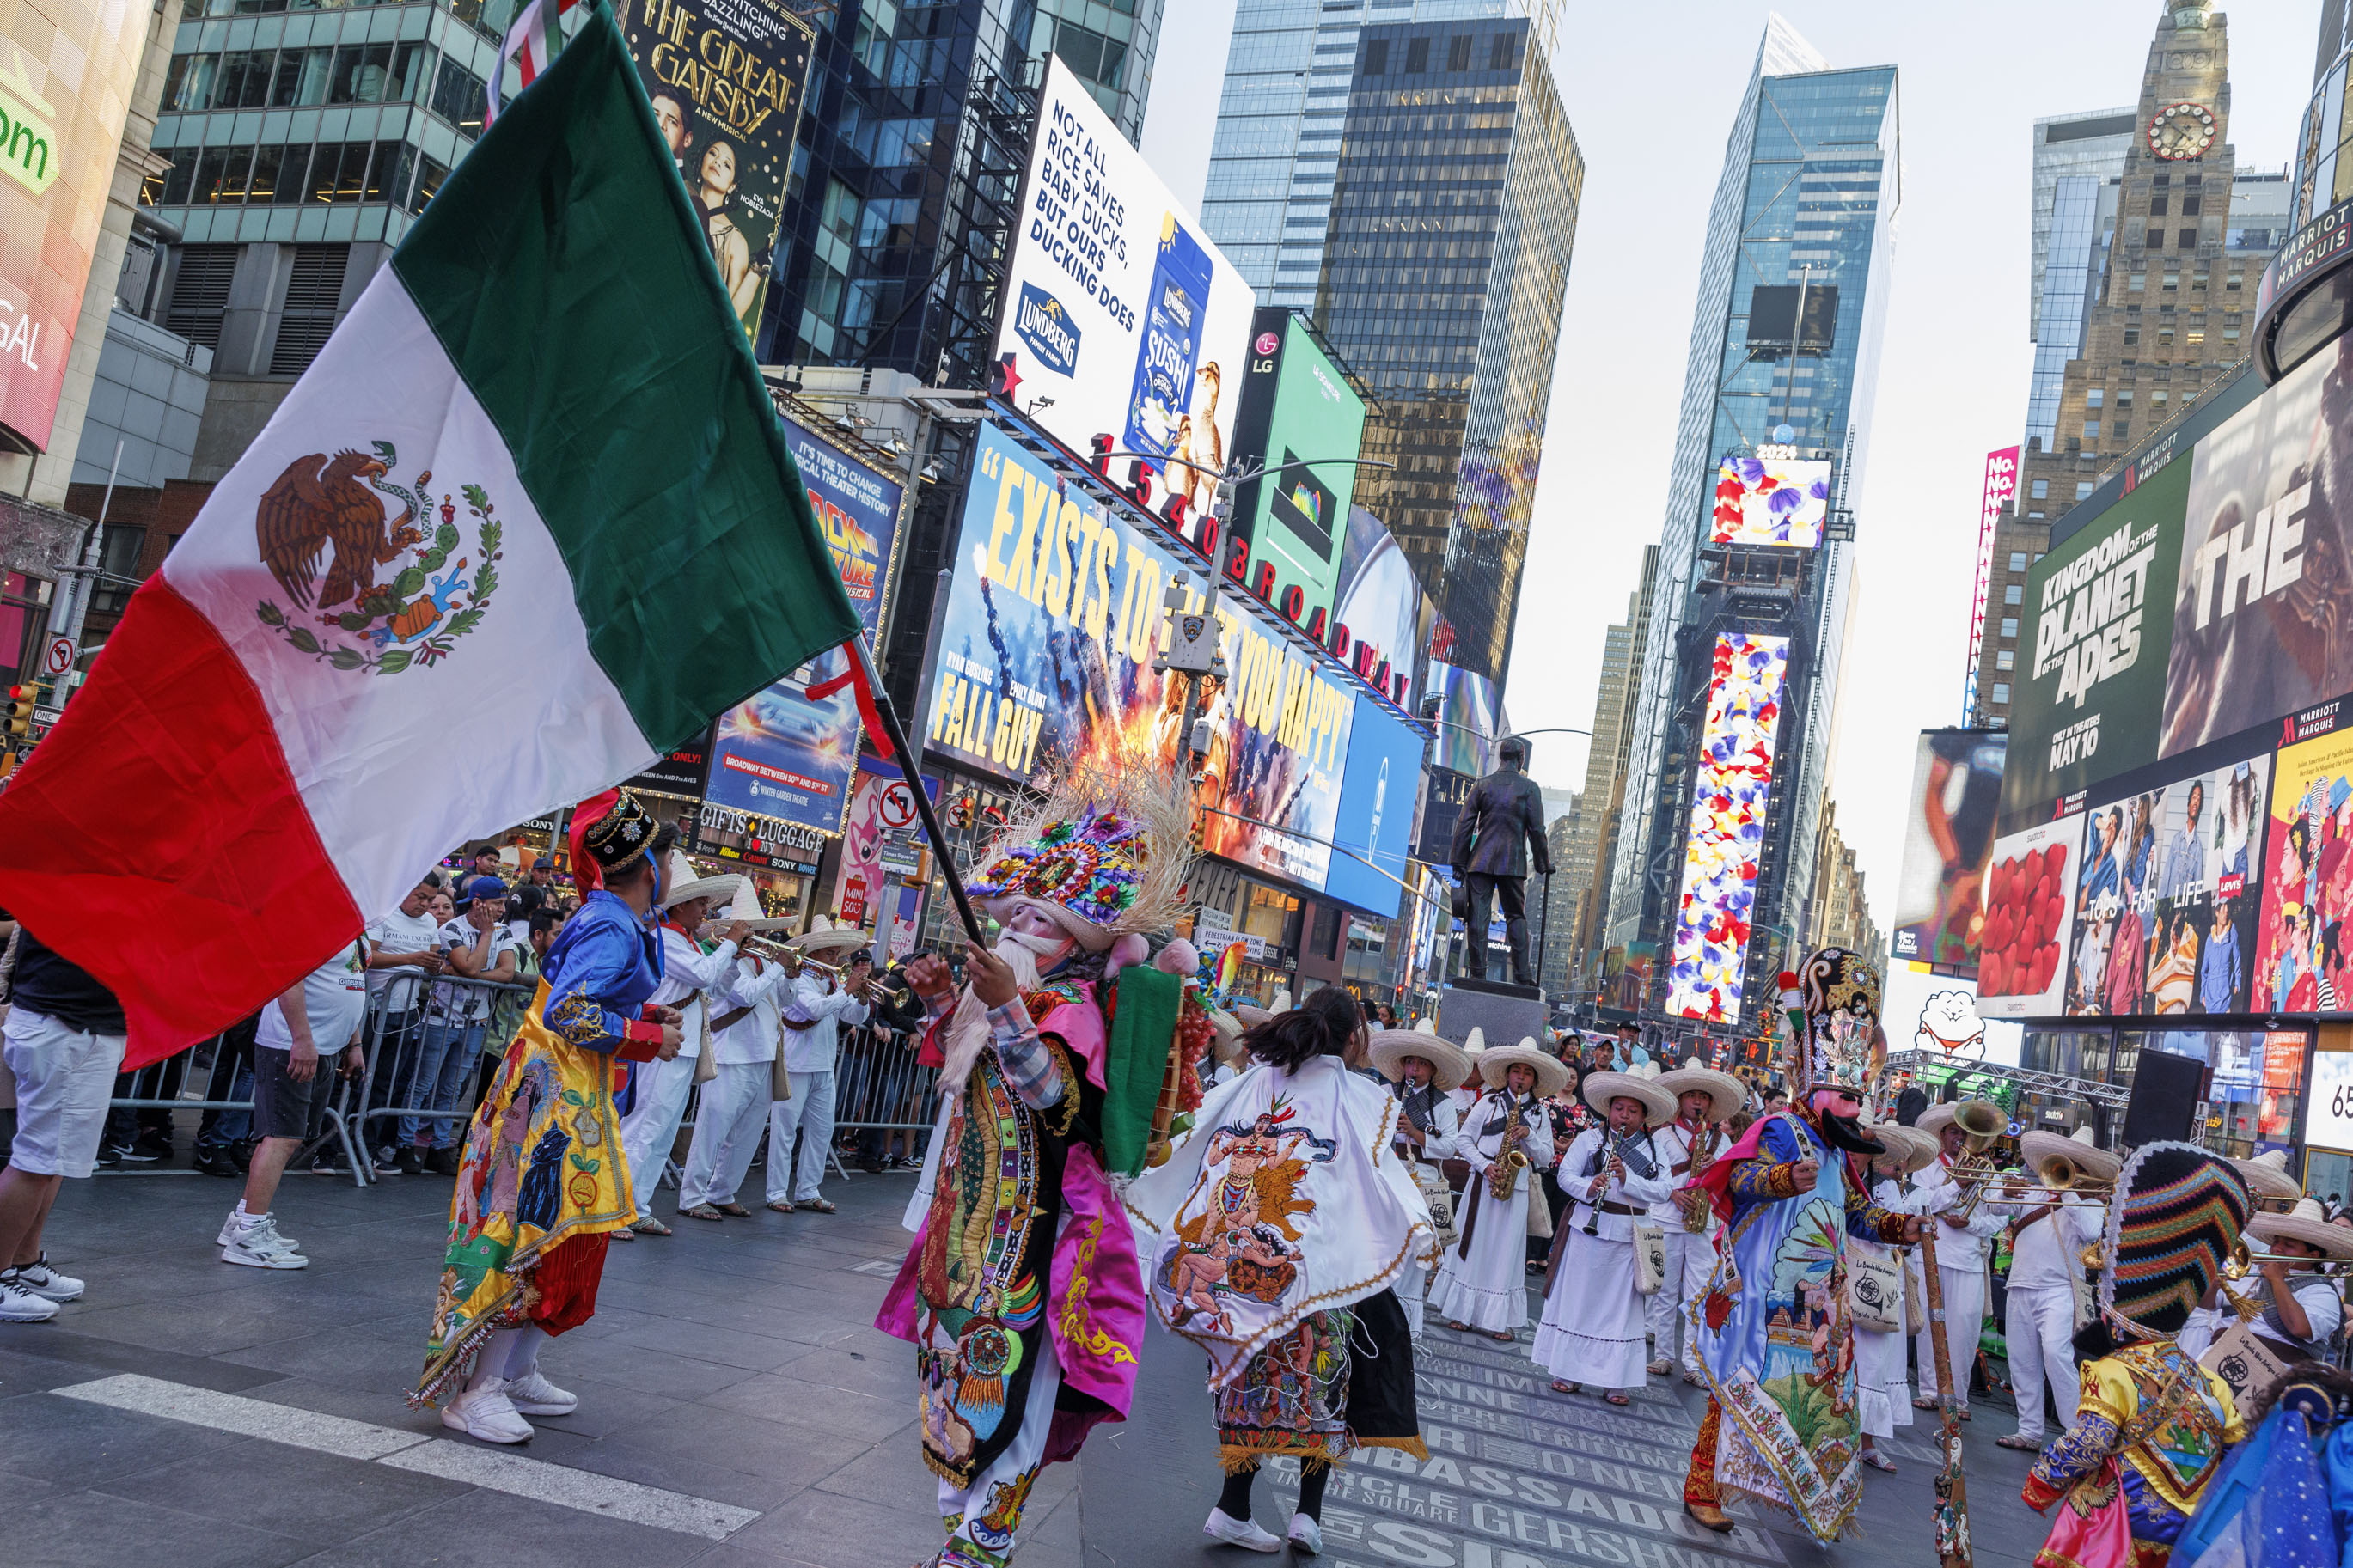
{"x": 1875, "y": 1289}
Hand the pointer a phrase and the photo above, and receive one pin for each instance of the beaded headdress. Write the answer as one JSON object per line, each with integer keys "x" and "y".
{"x": 1831, "y": 1007}
{"x": 2178, "y": 1211}
{"x": 1104, "y": 852}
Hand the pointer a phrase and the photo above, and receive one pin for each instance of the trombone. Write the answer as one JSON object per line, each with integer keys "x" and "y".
{"x": 2243, "y": 1260}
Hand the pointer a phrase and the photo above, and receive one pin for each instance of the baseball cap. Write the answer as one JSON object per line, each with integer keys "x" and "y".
{"x": 543, "y": 864}
{"x": 483, "y": 887}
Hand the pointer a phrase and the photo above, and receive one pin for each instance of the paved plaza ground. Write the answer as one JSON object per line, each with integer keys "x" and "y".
{"x": 739, "y": 1410}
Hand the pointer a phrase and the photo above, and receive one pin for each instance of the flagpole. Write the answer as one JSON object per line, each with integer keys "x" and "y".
{"x": 897, "y": 735}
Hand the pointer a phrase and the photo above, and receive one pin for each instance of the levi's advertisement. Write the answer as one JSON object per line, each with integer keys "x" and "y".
{"x": 2092, "y": 642}
{"x": 781, "y": 755}
{"x": 1045, "y": 658}
{"x": 1121, "y": 318}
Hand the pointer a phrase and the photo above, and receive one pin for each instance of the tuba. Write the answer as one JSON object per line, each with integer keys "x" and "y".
{"x": 1504, "y": 1175}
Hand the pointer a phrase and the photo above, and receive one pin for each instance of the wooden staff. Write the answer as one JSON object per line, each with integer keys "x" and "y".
{"x": 1952, "y": 1487}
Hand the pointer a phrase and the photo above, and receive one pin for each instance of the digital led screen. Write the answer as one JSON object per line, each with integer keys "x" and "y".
{"x": 1726, "y": 839}
{"x": 1771, "y": 502}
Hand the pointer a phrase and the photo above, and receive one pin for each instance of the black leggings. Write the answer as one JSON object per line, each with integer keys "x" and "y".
{"x": 1235, "y": 1500}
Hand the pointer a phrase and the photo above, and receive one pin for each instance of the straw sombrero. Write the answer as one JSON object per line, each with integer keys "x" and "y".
{"x": 1917, "y": 1150}
{"x": 824, "y": 936}
{"x": 1936, "y": 1118}
{"x": 2267, "y": 1177}
{"x": 1724, "y": 1093}
{"x": 1601, "y": 1088}
{"x": 2309, "y": 1224}
{"x": 2094, "y": 1161}
{"x": 1496, "y": 1060}
{"x": 1391, "y": 1046}
{"x": 720, "y": 889}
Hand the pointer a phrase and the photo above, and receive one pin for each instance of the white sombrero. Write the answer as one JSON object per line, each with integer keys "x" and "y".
{"x": 2078, "y": 1146}
{"x": 2267, "y": 1177}
{"x": 685, "y": 887}
{"x": 1226, "y": 1036}
{"x": 1497, "y": 1060}
{"x": 1601, "y": 1088}
{"x": 1918, "y": 1148}
{"x": 2307, "y": 1223}
{"x": 1449, "y": 1064}
{"x": 824, "y": 936}
{"x": 1726, "y": 1095}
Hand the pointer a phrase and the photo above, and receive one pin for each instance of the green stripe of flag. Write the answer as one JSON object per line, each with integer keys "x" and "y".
{"x": 565, "y": 271}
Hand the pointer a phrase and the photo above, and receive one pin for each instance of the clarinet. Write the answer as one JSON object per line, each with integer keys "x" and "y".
{"x": 1623, "y": 1150}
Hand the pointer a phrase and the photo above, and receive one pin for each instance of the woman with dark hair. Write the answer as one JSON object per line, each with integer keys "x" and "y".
{"x": 1275, "y": 1231}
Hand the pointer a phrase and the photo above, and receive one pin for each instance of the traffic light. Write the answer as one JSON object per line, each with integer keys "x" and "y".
{"x": 18, "y": 718}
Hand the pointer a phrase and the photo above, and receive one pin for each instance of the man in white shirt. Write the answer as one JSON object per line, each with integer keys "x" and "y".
{"x": 316, "y": 1018}
{"x": 2303, "y": 1311}
{"x": 734, "y": 1107}
{"x": 477, "y": 946}
{"x": 809, "y": 1055}
{"x": 2050, "y": 1230}
{"x": 1960, "y": 1257}
{"x": 658, "y": 1090}
{"x": 404, "y": 952}
{"x": 1705, "y": 1100}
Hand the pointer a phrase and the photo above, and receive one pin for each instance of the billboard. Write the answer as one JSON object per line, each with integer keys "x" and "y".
{"x": 1121, "y": 318}
{"x": 1730, "y": 796}
{"x": 1993, "y": 499}
{"x": 1770, "y": 501}
{"x": 1297, "y": 407}
{"x": 1379, "y": 791}
{"x": 2265, "y": 560}
{"x": 66, "y": 70}
{"x": 781, "y": 755}
{"x": 2092, "y": 649}
{"x": 726, "y": 78}
{"x": 2166, "y": 909}
{"x": 1947, "y": 848}
{"x": 1469, "y": 719}
{"x": 2029, "y": 900}
{"x": 2299, "y": 959}
{"x": 1381, "y": 602}
{"x": 1046, "y": 652}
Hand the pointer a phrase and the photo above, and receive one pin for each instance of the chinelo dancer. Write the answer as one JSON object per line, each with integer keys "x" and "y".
{"x": 1022, "y": 1291}
{"x": 544, "y": 1182}
{"x": 1774, "y": 1341}
{"x": 1507, "y": 1138}
{"x": 1277, "y": 1230}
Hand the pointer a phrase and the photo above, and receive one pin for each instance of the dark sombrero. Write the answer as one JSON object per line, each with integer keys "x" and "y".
{"x": 2178, "y": 1213}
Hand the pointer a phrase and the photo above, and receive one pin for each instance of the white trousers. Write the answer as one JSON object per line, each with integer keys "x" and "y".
{"x": 2042, "y": 1340}
{"x": 651, "y": 1126}
{"x": 810, "y": 1111}
{"x": 726, "y": 1131}
{"x": 1690, "y": 1260}
{"x": 1964, "y": 1314}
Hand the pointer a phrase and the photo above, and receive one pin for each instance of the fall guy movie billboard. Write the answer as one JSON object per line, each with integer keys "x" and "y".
{"x": 67, "y": 69}
{"x": 1301, "y": 419}
{"x": 1117, "y": 307}
{"x": 726, "y": 78}
{"x": 1045, "y": 657}
{"x": 780, "y": 755}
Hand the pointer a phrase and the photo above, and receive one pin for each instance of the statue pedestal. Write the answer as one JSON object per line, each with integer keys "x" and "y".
{"x": 1504, "y": 1013}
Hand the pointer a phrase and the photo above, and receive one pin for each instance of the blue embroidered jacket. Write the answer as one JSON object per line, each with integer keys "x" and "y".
{"x": 1771, "y": 1177}
{"x": 604, "y": 965}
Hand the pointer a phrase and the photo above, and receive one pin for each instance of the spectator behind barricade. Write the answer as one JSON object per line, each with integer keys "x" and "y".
{"x": 486, "y": 864}
{"x": 509, "y": 1008}
{"x": 479, "y": 948}
{"x": 313, "y": 1021}
{"x": 404, "y": 952}
{"x": 63, "y": 1041}
{"x": 443, "y": 908}
{"x": 899, "y": 1016}
{"x": 810, "y": 1053}
{"x": 225, "y": 1138}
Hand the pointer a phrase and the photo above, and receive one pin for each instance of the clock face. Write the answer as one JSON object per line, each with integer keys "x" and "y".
{"x": 2182, "y": 131}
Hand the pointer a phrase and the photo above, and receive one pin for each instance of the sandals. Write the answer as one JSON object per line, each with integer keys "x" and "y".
{"x": 1616, "y": 1398}
{"x": 734, "y": 1210}
{"x": 624, "y": 1233}
{"x": 1501, "y": 1336}
{"x": 781, "y": 1206}
{"x": 1560, "y": 1387}
{"x": 1660, "y": 1367}
{"x": 702, "y": 1211}
{"x": 1459, "y": 1328}
{"x": 819, "y": 1205}
{"x": 1924, "y": 1405}
{"x": 1694, "y": 1380}
{"x": 650, "y": 1226}
{"x": 2023, "y": 1445}
{"x": 1878, "y": 1461}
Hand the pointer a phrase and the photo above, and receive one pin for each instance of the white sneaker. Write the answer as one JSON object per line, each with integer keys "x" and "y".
{"x": 1242, "y": 1533}
{"x": 1306, "y": 1534}
{"x": 487, "y": 1414}
{"x": 40, "y": 1279}
{"x": 18, "y": 1305}
{"x": 532, "y": 1395}
{"x": 257, "y": 1244}
{"x": 238, "y": 1219}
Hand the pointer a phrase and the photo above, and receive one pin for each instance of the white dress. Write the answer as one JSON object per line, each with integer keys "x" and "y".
{"x": 1592, "y": 1331}
{"x": 1483, "y": 1278}
{"x": 1882, "y": 1400}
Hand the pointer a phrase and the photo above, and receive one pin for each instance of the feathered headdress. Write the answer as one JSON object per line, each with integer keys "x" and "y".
{"x": 1104, "y": 852}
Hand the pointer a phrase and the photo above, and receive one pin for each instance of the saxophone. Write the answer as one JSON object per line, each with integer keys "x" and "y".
{"x": 1504, "y": 1175}
{"x": 1698, "y": 1213}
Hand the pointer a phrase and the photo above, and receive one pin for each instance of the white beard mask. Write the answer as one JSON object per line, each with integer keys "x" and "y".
{"x": 968, "y": 1028}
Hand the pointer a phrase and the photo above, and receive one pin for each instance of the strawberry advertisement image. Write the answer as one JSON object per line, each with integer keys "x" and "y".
{"x": 2029, "y": 901}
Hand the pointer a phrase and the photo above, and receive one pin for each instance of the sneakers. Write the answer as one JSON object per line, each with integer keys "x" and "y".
{"x": 1306, "y": 1534}
{"x": 39, "y": 1279}
{"x": 412, "y": 1162}
{"x": 18, "y": 1305}
{"x": 442, "y": 1162}
{"x": 486, "y": 1413}
{"x": 532, "y": 1395}
{"x": 1242, "y": 1533}
{"x": 137, "y": 1152}
{"x": 238, "y": 1220}
{"x": 216, "y": 1162}
{"x": 257, "y": 1244}
{"x": 387, "y": 1160}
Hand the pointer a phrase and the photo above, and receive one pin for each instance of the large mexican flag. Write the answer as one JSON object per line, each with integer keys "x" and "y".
{"x": 526, "y": 524}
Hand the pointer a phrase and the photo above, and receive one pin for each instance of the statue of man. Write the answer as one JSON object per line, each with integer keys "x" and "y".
{"x": 1501, "y": 825}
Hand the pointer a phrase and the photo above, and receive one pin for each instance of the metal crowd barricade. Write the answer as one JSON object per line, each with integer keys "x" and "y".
{"x": 880, "y": 1086}
{"x": 426, "y": 1040}
{"x": 227, "y": 1091}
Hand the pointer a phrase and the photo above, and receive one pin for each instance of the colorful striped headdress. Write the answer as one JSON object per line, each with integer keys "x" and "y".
{"x": 2178, "y": 1211}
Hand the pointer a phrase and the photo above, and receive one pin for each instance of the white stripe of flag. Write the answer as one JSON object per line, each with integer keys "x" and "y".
{"x": 529, "y": 48}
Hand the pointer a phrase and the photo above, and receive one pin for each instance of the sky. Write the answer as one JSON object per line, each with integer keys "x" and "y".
{"x": 1651, "y": 92}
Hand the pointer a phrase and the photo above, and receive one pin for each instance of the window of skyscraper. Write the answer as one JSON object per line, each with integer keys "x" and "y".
{"x": 1417, "y": 56}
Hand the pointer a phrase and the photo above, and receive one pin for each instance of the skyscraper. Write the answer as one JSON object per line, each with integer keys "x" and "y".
{"x": 1280, "y": 122}
{"x": 2174, "y": 247}
{"x": 2077, "y": 159}
{"x": 1445, "y": 260}
{"x": 1784, "y": 354}
{"x": 1584, "y": 871}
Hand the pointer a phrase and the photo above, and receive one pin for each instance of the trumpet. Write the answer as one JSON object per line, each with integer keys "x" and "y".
{"x": 769, "y": 947}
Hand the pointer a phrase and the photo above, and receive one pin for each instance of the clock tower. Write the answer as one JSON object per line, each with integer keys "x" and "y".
{"x": 2164, "y": 306}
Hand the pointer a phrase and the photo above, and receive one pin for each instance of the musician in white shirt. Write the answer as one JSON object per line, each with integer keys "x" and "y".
{"x": 2050, "y": 1230}
{"x": 734, "y": 1112}
{"x": 1423, "y": 1070}
{"x": 1483, "y": 1280}
{"x": 658, "y": 1090}
{"x": 1592, "y": 1326}
{"x": 1704, "y": 1100}
{"x": 1960, "y": 1256}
